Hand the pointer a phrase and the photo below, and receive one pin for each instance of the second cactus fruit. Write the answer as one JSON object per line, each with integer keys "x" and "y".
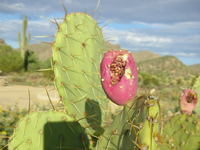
{"x": 188, "y": 101}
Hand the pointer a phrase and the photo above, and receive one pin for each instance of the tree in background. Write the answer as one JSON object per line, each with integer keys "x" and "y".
{"x": 10, "y": 60}
{"x": 31, "y": 61}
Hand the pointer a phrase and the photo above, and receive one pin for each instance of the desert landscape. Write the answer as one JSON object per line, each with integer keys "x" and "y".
{"x": 166, "y": 74}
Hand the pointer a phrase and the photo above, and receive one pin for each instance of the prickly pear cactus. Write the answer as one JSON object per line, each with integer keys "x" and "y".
{"x": 77, "y": 53}
{"x": 135, "y": 127}
{"x": 196, "y": 87}
{"x": 48, "y": 130}
{"x": 182, "y": 132}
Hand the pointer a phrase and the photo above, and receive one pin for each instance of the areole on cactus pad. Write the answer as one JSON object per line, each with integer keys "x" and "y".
{"x": 188, "y": 101}
{"x": 119, "y": 76}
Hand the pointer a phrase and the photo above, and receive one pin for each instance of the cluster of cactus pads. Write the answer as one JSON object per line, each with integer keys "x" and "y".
{"x": 77, "y": 54}
{"x": 48, "y": 130}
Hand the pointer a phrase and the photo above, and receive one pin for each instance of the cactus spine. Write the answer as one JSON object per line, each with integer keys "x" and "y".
{"x": 24, "y": 42}
{"x": 181, "y": 132}
{"x": 135, "y": 127}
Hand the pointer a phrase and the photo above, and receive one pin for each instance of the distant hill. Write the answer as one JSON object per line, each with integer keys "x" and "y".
{"x": 165, "y": 66}
{"x": 44, "y": 50}
{"x": 195, "y": 67}
{"x": 146, "y": 61}
{"x": 2, "y": 42}
{"x": 144, "y": 56}
{"x": 113, "y": 46}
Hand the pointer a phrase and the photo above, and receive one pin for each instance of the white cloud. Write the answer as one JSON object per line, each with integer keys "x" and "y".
{"x": 191, "y": 55}
{"x": 164, "y": 53}
{"x": 185, "y": 54}
{"x": 178, "y": 39}
{"x": 132, "y": 37}
{"x": 142, "y": 38}
{"x": 67, "y": 1}
{"x": 15, "y": 6}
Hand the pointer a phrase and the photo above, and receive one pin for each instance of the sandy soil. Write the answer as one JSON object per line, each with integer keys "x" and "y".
{"x": 9, "y": 95}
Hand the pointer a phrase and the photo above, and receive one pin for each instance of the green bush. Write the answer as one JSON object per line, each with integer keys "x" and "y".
{"x": 10, "y": 60}
{"x": 8, "y": 122}
{"x": 150, "y": 79}
{"x": 32, "y": 62}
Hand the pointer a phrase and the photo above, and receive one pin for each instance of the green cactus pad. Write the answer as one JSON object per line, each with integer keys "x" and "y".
{"x": 181, "y": 132}
{"x": 196, "y": 87}
{"x": 48, "y": 130}
{"x": 144, "y": 115}
{"x": 150, "y": 126}
{"x": 111, "y": 137}
{"x": 77, "y": 52}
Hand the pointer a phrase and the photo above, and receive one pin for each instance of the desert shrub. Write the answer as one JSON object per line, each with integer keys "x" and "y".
{"x": 10, "y": 60}
{"x": 32, "y": 62}
{"x": 175, "y": 96}
{"x": 150, "y": 79}
{"x": 140, "y": 77}
{"x": 8, "y": 122}
{"x": 155, "y": 80}
{"x": 173, "y": 82}
{"x": 147, "y": 80}
{"x": 180, "y": 80}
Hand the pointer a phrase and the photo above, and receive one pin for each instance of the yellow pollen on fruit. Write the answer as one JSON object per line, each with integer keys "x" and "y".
{"x": 121, "y": 87}
{"x": 125, "y": 57}
{"x": 102, "y": 79}
{"x": 128, "y": 73}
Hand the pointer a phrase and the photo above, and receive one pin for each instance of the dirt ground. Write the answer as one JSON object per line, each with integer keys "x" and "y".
{"x": 9, "y": 95}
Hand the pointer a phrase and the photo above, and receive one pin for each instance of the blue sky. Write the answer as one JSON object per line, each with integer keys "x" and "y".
{"x": 165, "y": 27}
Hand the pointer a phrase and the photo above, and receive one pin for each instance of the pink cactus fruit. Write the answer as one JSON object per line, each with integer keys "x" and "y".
{"x": 119, "y": 76}
{"x": 188, "y": 101}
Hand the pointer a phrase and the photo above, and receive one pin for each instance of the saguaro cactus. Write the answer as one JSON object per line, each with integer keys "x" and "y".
{"x": 24, "y": 42}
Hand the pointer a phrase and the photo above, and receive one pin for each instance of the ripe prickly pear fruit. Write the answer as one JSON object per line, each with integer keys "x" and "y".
{"x": 119, "y": 76}
{"x": 188, "y": 101}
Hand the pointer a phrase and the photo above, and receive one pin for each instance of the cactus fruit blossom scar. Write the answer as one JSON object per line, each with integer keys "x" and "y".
{"x": 188, "y": 101}
{"x": 119, "y": 76}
